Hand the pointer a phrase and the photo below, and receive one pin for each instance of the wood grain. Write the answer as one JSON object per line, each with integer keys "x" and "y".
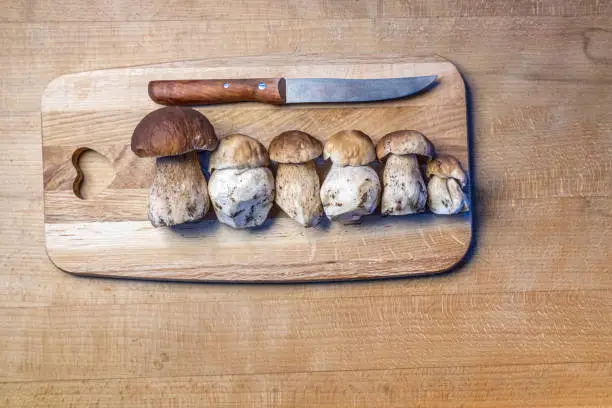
{"x": 257, "y": 10}
{"x": 539, "y": 77}
{"x": 109, "y": 235}
{"x": 516, "y": 65}
{"x": 212, "y": 91}
{"x": 284, "y": 336}
{"x": 542, "y": 385}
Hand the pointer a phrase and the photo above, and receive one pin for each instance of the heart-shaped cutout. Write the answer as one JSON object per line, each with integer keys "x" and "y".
{"x": 94, "y": 173}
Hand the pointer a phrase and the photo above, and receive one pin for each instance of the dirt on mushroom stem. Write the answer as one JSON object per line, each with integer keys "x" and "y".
{"x": 179, "y": 192}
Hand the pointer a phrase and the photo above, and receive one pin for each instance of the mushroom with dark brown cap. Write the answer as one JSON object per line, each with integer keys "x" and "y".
{"x": 351, "y": 188}
{"x": 404, "y": 190}
{"x": 297, "y": 181}
{"x": 445, "y": 195}
{"x": 241, "y": 185}
{"x": 173, "y": 135}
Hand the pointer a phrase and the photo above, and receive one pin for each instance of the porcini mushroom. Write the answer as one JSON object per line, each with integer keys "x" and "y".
{"x": 241, "y": 187}
{"x": 404, "y": 190}
{"x": 444, "y": 189}
{"x": 174, "y": 135}
{"x": 297, "y": 181}
{"x": 351, "y": 188}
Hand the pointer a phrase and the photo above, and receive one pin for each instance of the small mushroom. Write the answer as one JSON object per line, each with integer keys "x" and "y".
{"x": 174, "y": 135}
{"x": 404, "y": 190}
{"x": 444, "y": 188}
{"x": 297, "y": 181}
{"x": 241, "y": 187}
{"x": 351, "y": 188}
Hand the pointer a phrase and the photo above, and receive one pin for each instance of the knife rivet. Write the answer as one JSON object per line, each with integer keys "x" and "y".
{"x": 261, "y": 85}
{"x": 226, "y": 85}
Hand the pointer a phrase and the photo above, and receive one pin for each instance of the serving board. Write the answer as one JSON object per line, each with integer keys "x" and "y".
{"x": 109, "y": 234}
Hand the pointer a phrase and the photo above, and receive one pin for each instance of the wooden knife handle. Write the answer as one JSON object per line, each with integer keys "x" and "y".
{"x": 213, "y": 91}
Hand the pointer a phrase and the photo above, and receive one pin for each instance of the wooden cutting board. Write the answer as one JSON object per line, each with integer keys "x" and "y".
{"x": 110, "y": 235}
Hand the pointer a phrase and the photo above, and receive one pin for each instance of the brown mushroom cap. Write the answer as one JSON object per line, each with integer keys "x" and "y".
{"x": 349, "y": 148}
{"x": 238, "y": 151}
{"x": 403, "y": 142}
{"x": 171, "y": 131}
{"x": 446, "y": 166}
{"x": 295, "y": 147}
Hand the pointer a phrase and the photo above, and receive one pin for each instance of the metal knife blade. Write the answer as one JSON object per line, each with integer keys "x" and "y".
{"x": 280, "y": 91}
{"x": 336, "y": 90}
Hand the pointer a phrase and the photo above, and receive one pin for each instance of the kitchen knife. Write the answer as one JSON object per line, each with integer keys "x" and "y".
{"x": 281, "y": 91}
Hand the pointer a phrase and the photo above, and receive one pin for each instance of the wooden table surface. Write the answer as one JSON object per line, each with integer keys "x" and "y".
{"x": 526, "y": 322}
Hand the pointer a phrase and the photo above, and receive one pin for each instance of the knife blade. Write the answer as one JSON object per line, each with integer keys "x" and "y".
{"x": 281, "y": 91}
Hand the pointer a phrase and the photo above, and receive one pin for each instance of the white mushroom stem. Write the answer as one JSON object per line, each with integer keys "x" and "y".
{"x": 242, "y": 198}
{"x": 348, "y": 193}
{"x": 298, "y": 192}
{"x": 404, "y": 190}
{"x": 445, "y": 196}
{"x": 179, "y": 193}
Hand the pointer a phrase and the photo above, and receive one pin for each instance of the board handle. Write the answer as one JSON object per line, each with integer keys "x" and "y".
{"x": 215, "y": 91}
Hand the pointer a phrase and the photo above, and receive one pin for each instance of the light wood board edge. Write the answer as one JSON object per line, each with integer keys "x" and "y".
{"x": 283, "y": 60}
